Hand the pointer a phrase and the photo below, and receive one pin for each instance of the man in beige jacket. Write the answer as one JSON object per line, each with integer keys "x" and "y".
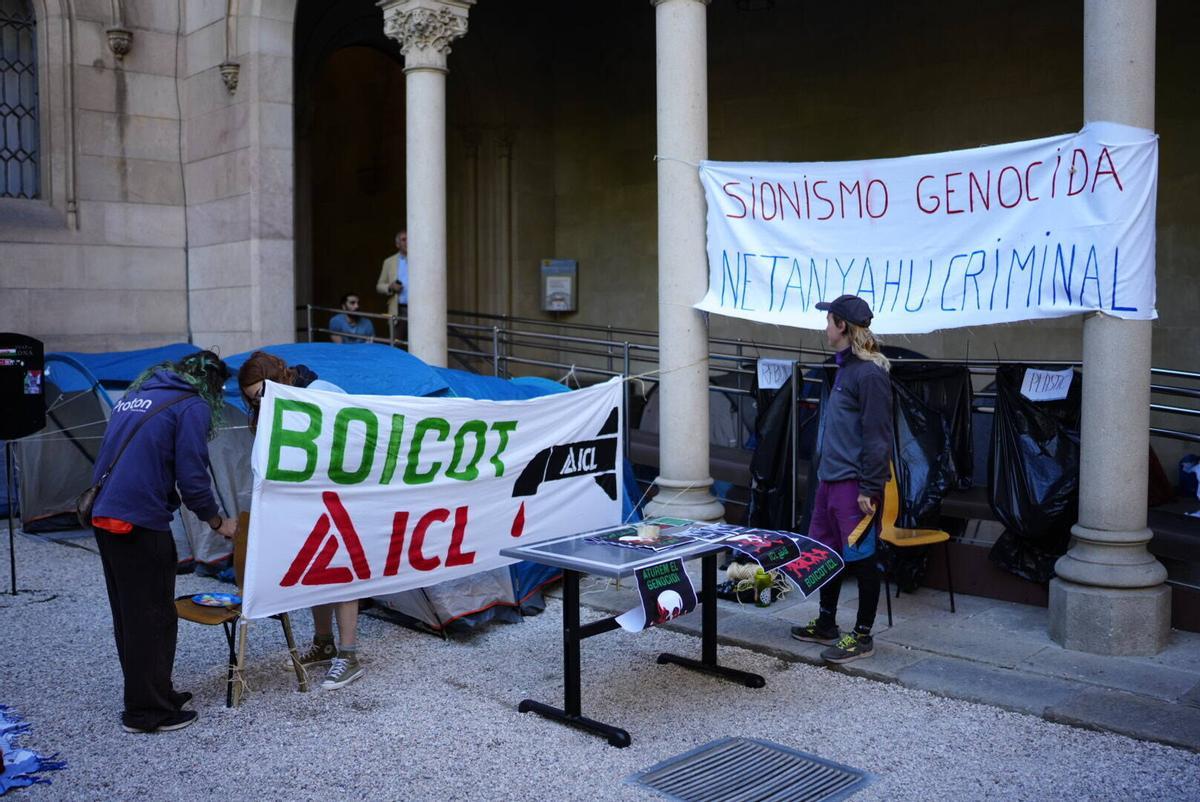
{"x": 393, "y": 277}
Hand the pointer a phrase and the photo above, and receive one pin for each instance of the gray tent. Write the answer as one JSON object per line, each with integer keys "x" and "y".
{"x": 55, "y": 465}
{"x": 730, "y": 415}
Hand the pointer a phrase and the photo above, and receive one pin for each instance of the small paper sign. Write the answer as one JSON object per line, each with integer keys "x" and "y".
{"x": 667, "y": 593}
{"x": 1046, "y": 385}
{"x": 772, "y": 373}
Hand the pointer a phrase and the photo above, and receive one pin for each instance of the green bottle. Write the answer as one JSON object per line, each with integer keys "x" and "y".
{"x": 762, "y": 588}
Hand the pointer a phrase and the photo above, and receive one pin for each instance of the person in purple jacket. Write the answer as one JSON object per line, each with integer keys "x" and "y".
{"x": 854, "y": 449}
{"x": 165, "y": 462}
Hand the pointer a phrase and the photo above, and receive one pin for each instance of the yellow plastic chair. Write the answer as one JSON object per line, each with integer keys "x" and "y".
{"x": 230, "y": 618}
{"x": 905, "y": 538}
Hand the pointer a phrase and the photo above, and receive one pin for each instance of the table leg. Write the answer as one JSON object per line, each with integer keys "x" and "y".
{"x": 707, "y": 663}
{"x": 572, "y": 695}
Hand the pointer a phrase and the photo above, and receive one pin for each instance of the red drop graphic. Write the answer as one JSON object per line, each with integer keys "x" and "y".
{"x": 519, "y": 522}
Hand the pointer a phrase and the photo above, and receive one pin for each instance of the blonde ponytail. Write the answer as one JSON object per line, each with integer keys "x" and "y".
{"x": 865, "y": 345}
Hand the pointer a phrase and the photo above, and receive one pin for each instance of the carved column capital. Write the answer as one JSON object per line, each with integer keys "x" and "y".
{"x": 425, "y": 29}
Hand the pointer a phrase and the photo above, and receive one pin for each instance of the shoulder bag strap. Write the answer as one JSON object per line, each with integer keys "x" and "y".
{"x": 129, "y": 439}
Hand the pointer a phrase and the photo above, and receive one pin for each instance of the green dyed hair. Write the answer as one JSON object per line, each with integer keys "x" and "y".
{"x": 206, "y": 373}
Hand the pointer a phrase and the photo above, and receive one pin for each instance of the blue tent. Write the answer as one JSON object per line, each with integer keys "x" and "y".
{"x": 367, "y": 369}
{"x": 73, "y": 371}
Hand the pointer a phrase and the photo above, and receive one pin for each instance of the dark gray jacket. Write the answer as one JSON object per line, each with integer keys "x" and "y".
{"x": 856, "y": 426}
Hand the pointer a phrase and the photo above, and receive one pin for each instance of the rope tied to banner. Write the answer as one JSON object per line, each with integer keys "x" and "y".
{"x": 658, "y": 158}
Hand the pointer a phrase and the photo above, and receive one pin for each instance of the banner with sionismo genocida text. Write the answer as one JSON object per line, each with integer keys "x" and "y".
{"x": 1038, "y": 229}
{"x": 358, "y": 496}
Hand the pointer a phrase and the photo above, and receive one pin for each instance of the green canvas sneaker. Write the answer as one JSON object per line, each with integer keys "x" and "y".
{"x": 318, "y": 654}
{"x": 852, "y": 646}
{"x": 342, "y": 671}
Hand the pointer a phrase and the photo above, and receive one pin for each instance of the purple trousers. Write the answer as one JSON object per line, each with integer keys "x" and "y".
{"x": 836, "y": 514}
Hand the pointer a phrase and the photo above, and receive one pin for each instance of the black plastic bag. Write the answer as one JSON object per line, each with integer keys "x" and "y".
{"x": 924, "y": 466}
{"x": 772, "y": 472}
{"x": 945, "y": 389}
{"x": 1034, "y": 470}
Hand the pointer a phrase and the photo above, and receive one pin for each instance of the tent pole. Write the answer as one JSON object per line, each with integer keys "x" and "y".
{"x": 8, "y": 492}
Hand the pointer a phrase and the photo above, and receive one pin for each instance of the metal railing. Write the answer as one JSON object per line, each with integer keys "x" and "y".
{"x": 500, "y": 343}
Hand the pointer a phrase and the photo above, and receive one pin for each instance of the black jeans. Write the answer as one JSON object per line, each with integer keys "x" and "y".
{"x": 867, "y": 573}
{"x": 139, "y": 570}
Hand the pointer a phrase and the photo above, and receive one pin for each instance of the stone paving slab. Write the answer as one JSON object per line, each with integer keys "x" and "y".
{"x": 1031, "y": 623}
{"x": 1119, "y": 673}
{"x": 1007, "y": 688}
{"x": 1132, "y": 715}
{"x": 1192, "y": 697}
{"x": 958, "y": 639}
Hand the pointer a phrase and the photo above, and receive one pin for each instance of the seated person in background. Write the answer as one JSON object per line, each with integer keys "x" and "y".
{"x": 342, "y": 660}
{"x": 351, "y": 329}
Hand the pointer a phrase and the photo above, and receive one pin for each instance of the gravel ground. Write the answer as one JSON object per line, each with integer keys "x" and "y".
{"x": 437, "y": 720}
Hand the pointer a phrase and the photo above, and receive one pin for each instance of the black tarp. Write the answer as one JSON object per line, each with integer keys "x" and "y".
{"x": 934, "y": 450}
{"x": 772, "y": 471}
{"x": 1033, "y": 467}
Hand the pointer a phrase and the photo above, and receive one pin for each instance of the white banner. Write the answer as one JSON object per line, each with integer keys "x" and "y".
{"x": 358, "y": 496}
{"x": 1038, "y": 229}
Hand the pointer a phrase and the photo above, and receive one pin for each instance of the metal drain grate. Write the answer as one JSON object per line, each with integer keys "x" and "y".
{"x": 749, "y": 769}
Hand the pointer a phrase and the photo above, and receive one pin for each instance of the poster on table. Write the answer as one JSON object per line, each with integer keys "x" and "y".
{"x": 666, "y": 592}
{"x": 804, "y": 561}
{"x": 358, "y": 496}
{"x": 1039, "y": 229}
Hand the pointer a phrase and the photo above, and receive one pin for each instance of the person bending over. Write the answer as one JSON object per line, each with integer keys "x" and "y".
{"x": 141, "y": 466}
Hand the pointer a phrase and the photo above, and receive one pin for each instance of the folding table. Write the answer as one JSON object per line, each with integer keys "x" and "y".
{"x": 576, "y": 556}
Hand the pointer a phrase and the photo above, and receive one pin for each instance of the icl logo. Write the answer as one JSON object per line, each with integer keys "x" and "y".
{"x": 311, "y": 566}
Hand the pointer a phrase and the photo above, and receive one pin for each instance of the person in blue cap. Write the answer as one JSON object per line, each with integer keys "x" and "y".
{"x": 854, "y": 449}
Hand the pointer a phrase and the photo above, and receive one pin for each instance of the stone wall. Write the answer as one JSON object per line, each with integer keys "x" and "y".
{"x": 107, "y": 258}
{"x": 237, "y": 151}
{"x": 97, "y": 262}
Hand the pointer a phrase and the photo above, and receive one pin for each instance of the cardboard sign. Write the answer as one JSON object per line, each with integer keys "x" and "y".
{"x": 774, "y": 373}
{"x": 1046, "y": 385}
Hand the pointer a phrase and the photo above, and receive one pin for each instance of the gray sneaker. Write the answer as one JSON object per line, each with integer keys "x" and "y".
{"x": 342, "y": 671}
{"x": 318, "y": 654}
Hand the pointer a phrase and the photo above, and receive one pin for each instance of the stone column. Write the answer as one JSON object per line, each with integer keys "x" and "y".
{"x": 1109, "y": 596}
{"x": 682, "y": 77}
{"x": 425, "y": 29}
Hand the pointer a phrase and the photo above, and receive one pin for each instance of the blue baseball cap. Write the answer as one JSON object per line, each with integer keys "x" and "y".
{"x": 850, "y": 308}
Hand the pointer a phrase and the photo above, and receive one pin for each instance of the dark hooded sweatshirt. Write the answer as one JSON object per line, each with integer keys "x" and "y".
{"x": 855, "y": 440}
{"x": 169, "y": 451}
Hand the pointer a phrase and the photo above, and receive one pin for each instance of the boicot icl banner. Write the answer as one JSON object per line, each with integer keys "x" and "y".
{"x": 358, "y": 496}
{"x": 1039, "y": 229}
